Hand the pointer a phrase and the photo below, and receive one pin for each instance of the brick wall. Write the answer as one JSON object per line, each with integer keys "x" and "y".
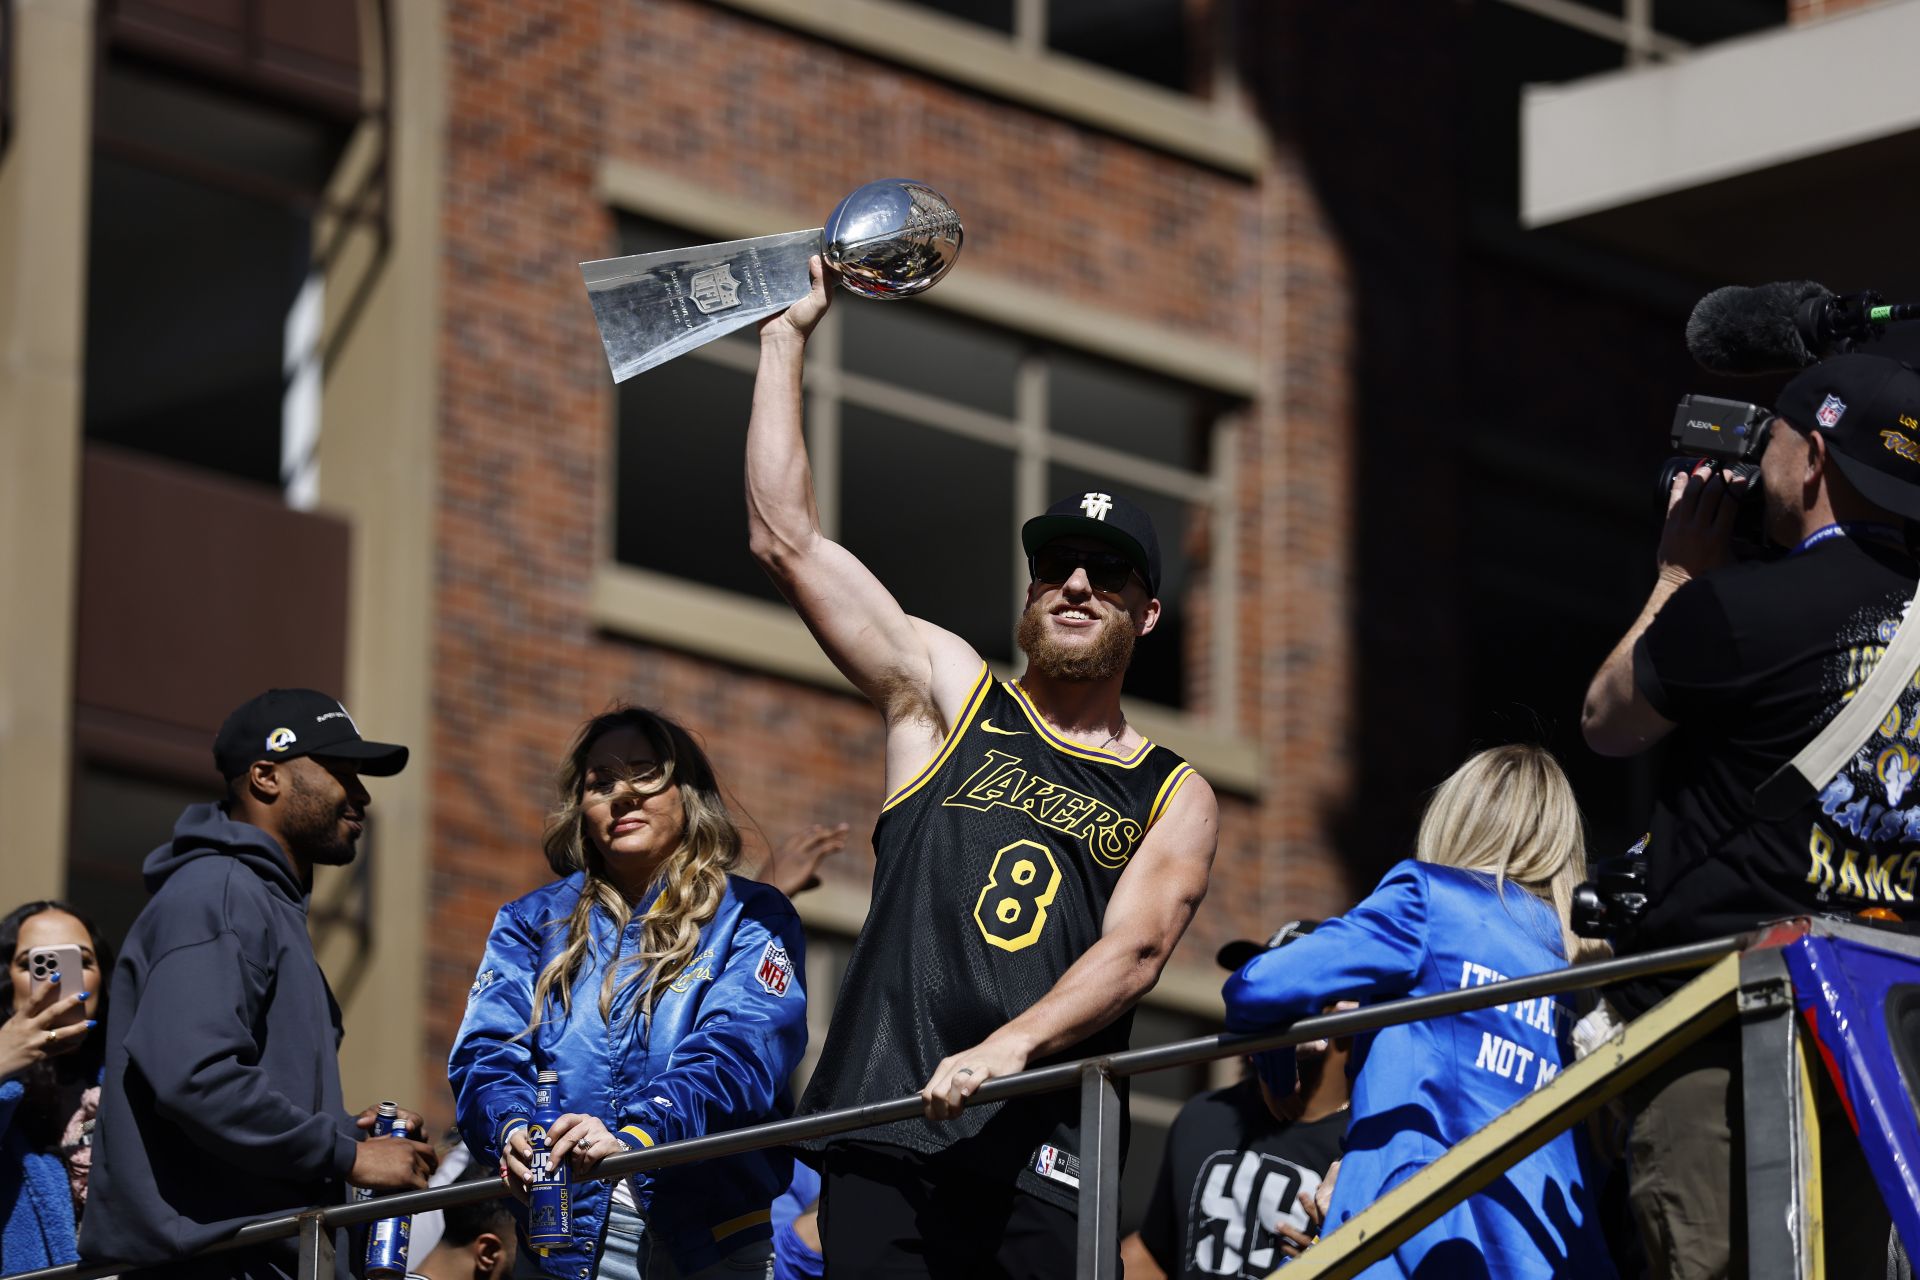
{"x": 540, "y": 93}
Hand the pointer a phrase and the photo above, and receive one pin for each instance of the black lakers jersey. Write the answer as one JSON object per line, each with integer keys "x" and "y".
{"x": 993, "y": 871}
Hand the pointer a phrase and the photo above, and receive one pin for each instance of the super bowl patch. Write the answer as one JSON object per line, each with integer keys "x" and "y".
{"x": 775, "y": 971}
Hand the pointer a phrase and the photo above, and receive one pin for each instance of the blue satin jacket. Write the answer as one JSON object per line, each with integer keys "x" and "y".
{"x": 715, "y": 1055}
{"x": 1420, "y": 1087}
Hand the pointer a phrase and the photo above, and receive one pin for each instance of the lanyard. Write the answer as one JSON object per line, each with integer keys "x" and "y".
{"x": 1852, "y": 529}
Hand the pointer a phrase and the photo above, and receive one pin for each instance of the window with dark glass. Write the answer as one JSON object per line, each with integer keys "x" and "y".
{"x": 199, "y": 241}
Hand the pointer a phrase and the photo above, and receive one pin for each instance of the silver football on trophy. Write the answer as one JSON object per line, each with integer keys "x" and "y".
{"x": 892, "y": 239}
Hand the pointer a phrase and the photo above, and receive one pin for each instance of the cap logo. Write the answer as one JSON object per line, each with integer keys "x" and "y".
{"x": 1830, "y": 410}
{"x": 280, "y": 739}
{"x": 1899, "y": 444}
{"x": 1096, "y": 505}
{"x": 341, "y": 714}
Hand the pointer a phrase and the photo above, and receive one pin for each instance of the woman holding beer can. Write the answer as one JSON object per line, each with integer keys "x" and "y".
{"x": 645, "y": 996}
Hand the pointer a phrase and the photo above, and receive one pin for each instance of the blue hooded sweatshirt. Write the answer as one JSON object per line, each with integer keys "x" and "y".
{"x": 221, "y": 1096}
{"x": 1420, "y": 1087}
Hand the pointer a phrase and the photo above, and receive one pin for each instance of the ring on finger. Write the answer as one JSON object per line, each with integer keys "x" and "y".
{"x": 51, "y": 1037}
{"x": 964, "y": 1071}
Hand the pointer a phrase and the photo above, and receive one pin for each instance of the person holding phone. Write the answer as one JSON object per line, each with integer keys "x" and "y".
{"x": 49, "y": 1079}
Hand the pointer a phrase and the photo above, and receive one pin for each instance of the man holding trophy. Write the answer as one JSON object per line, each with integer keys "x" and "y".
{"x": 1037, "y": 861}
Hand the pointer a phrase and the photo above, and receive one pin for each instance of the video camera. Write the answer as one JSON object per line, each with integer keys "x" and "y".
{"x": 1610, "y": 905}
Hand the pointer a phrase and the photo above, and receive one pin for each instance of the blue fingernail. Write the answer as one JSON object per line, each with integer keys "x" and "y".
{"x": 54, "y": 976}
{"x": 92, "y": 1023}
{"x": 83, "y": 995}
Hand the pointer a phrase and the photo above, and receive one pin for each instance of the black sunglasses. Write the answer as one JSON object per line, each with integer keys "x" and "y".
{"x": 1105, "y": 571}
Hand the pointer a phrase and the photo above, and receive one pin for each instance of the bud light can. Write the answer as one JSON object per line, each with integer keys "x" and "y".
{"x": 550, "y": 1195}
{"x": 387, "y": 1238}
{"x": 384, "y": 1119}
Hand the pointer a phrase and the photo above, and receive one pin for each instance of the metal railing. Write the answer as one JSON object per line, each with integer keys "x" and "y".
{"x": 1099, "y": 1210}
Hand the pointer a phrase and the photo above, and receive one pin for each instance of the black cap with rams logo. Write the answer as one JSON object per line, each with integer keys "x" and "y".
{"x": 1104, "y": 517}
{"x": 1868, "y": 408}
{"x": 282, "y": 724}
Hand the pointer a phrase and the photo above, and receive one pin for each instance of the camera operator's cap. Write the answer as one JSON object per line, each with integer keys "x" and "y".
{"x": 1234, "y": 955}
{"x": 1106, "y": 517}
{"x": 284, "y": 724}
{"x": 1868, "y": 408}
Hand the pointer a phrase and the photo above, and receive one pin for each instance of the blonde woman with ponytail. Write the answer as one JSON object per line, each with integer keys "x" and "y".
{"x": 1487, "y": 896}
{"x": 666, "y": 994}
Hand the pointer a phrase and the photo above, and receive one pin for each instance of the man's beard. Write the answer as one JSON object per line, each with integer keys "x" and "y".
{"x": 1105, "y": 658}
{"x": 312, "y": 828}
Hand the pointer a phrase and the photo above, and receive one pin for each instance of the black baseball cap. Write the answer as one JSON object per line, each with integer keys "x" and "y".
{"x": 1234, "y": 955}
{"x": 1868, "y": 408}
{"x": 283, "y": 724}
{"x": 1105, "y": 517}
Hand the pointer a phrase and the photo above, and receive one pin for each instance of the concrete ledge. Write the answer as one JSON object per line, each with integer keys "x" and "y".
{"x": 1736, "y": 108}
{"x": 768, "y": 637}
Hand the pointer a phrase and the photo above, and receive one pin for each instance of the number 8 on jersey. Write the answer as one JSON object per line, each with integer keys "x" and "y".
{"x": 1012, "y": 907}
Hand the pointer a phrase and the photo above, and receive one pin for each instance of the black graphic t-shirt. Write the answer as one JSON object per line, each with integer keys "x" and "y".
{"x": 1231, "y": 1174}
{"x": 1750, "y": 662}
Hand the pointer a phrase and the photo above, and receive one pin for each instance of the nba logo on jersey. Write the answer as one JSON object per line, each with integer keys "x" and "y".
{"x": 1061, "y": 1166}
{"x": 776, "y": 970}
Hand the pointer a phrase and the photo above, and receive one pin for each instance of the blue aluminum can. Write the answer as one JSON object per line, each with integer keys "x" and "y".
{"x": 550, "y": 1196}
{"x": 384, "y": 1119}
{"x": 387, "y": 1239}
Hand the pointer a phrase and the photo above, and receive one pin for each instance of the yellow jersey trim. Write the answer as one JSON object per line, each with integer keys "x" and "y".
{"x": 646, "y": 1139}
{"x": 741, "y": 1223}
{"x": 1168, "y": 790}
{"x": 954, "y": 735}
{"x": 1068, "y": 745}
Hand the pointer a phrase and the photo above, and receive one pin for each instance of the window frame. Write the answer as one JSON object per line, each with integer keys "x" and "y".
{"x": 1219, "y": 131}
{"x": 653, "y": 606}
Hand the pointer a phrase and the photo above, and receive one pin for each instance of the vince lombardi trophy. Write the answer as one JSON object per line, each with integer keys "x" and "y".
{"x": 889, "y": 239}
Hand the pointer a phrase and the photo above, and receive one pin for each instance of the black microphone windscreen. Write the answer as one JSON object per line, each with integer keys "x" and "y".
{"x": 1740, "y": 330}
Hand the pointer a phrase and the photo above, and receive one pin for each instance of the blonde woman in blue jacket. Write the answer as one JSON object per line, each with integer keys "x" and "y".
{"x": 1486, "y": 896}
{"x": 664, "y": 991}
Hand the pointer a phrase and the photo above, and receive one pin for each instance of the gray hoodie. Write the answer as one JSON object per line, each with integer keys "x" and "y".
{"x": 221, "y": 1095}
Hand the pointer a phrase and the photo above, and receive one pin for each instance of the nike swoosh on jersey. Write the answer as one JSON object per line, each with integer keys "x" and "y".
{"x": 1005, "y": 733}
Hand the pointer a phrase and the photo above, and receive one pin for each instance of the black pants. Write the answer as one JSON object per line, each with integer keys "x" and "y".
{"x": 890, "y": 1213}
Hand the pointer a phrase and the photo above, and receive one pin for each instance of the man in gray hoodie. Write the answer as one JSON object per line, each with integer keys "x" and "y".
{"x": 220, "y": 1101}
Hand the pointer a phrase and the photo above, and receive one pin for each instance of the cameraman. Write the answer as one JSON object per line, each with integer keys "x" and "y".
{"x": 1742, "y": 664}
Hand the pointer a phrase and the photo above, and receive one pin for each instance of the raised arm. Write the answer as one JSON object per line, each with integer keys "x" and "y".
{"x": 1617, "y": 718}
{"x": 1146, "y": 917}
{"x": 916, "y": 674}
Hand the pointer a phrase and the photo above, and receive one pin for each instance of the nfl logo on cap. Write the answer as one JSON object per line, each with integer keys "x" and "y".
{"x": 1829, "y": 413}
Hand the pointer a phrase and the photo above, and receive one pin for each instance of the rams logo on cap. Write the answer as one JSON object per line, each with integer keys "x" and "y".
{"x": 280, "y": 739}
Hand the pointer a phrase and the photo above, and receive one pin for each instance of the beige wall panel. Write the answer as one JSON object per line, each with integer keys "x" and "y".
{"x": 379, "y": 413}
{"x": 43, "y": 240}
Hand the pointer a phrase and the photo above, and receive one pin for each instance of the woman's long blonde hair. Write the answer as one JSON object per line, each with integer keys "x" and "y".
{"x": 694, "y": 878}
{"x": 1509, "y": 812}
